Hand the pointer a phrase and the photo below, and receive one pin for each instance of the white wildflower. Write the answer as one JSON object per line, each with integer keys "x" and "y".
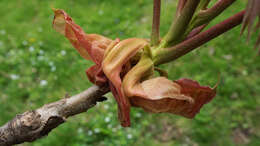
{"x": 63, "y": 52}
{"x": 43, "y": 83}
{"x": 244, "y": 72}
{"x": 11, "y": 53}
{"x": 51, "y": 63}
{"x": 14, "y": 76}
{"x": 106, "y": 106}
{"x": 90, "y": 132}
{"x": 211, "y": 51}
{"x": 53, "y": 68}
{"x": 80, "y": 130}
{"x": 31, "y": 48}
{"x": 129, "y": 136}
{"x": 138, "y": 115}
{"x": 3, "y": 32}
{"x": 109, "y": 126}
{"x": 114, "y": 129}
{"x": 25, "y": 42}
{"x": 96, "y": 130}
{"x": 107, "y": 119}
{"x": 41, "y": 52}
{"x": 100, "y": 12}
{"x": 40, "y": 58}
{"x": 228, "y": 57}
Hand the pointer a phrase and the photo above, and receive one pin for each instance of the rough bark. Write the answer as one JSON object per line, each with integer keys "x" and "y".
{"x": 35, "y": 124}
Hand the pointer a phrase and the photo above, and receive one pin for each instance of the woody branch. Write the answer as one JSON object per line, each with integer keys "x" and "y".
{"x": 32, "y": 125}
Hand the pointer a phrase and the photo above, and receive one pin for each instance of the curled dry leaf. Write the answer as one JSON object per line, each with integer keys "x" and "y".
{"x": 114, "y": 60}
{"x": 200, "y": 94}
{"x": 96, "y": 75}
{"x": 183, "y": 97}
{"x": 90, "y": 46}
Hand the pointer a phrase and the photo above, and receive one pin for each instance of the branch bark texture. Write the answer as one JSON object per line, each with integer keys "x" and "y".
{"x": 35, "y": 124}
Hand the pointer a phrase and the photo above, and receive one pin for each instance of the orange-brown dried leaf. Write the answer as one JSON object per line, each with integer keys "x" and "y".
{"x": 200, "y": 94}
{"x": 183, "y": 97}
{"x": 161, "y": 95}
{"x": 96, "y": 75}
{"x": 119, "y": 56}
{"x": 132, "y": 81}
{"x": 90, "y": 46}
{"x": 153, "y": 95}
{"x": 115, "y": 59}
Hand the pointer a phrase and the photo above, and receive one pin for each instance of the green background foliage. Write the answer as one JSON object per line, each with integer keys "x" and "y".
{"x": 38, "y": 66}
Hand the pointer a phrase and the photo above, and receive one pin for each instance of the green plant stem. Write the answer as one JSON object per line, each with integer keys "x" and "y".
{"x": 205, "y": 16}
{"x": 203, "y": 4}
{"x": 180, "y": 6}
{"x": 180, "y": 24}
{"x": 169, "y": 54}
{"x": 155, "y": 36}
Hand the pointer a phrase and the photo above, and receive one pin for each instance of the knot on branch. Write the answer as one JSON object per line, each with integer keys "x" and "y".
{"x": 21, "y": 128}
{"x": 29, "y": 121}
{"x": 52, "y": 123}
{"x": 38, "y": 123}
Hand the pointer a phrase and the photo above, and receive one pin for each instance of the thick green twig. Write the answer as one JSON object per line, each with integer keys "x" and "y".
{"x": 205, "y": 16}
{"x": 180, "y": 24}
{"x": 169, "y": 54}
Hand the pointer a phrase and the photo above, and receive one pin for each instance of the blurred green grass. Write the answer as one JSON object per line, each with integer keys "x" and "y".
{"x": 38, "y": 66}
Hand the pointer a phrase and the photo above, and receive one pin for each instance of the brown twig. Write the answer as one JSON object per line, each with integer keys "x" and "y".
{"x": 35, "y": 124}
{"x": 155, "y": 36}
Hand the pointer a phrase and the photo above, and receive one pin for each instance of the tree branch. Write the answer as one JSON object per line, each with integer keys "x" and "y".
{"x": 35, "y": 124}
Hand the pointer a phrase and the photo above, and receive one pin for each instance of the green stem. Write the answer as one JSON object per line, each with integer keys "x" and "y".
{"x": 203, "y": 4}
{"x": 180, "y": 24}
{"x": 180, "y": 6}
{"x": 155, "y": 36}
{"x": 169, "y": 54}
{"x": 205, "y": 16}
